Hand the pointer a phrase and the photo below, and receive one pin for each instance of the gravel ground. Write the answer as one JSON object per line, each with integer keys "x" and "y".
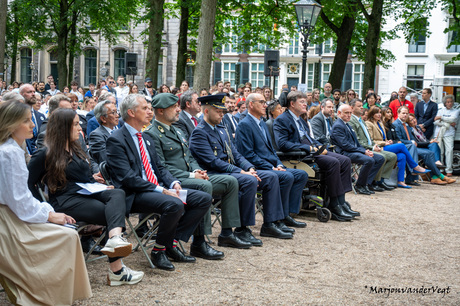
{"x": 405, "y": 239}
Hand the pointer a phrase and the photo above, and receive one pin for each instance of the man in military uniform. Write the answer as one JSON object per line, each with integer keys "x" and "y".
{"x": 211, "y": 146}
{"x": 172, "y": 148}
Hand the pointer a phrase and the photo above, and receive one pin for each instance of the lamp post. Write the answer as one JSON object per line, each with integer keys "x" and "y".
{"x": 307, "y": 12}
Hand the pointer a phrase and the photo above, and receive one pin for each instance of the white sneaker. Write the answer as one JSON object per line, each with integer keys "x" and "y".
{"x": 126, "y": 277}
{"x": 117, "y": 246}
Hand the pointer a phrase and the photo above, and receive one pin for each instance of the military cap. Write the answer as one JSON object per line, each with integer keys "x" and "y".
{"x": 164, "y": 100}
{"x": 218, "y": 101}
{"x": 148, "y": 80}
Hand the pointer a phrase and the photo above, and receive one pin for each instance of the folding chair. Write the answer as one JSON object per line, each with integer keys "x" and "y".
{"x": 355, "y": 168}
{"x": 80, "y": 226}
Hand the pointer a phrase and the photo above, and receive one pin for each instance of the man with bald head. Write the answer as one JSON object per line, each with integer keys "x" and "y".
{"x": 327, "y": 92}
{"x": 28, "y": 92}
{"x": 346, "y": 142}
{"x": 401, "y": 101}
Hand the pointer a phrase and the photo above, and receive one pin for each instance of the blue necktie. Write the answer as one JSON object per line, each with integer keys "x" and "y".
{"x": 35, "y": 124}
{"x": 328, "y": 122}
{"x": 262, "y": 130}
{"x": 305, "y": 132}
{"x": 352, "y": 134}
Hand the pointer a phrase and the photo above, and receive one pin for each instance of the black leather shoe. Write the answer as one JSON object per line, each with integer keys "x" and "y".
{"x": 362, "y": 190}
{"x": 370, "y": 191}
{"x": 374, "y": 187}
{"x": 282, "y": 226}
{"x": 246, "y": 235}
{"x": 386, "y": 186}
{"x": 271, "y": 230}
{"x": 414, "y": 183}
{"x": 87, "y": 242}
{"x": 338, "y": 213}
{"x": 161, "y": 261}
{"x": 289, "y": 221}
{"x": 205, "y": 251}
{"x": 349, "y": 211}
{"x": 177, "y": 255}
{"x": 233, "y": 241}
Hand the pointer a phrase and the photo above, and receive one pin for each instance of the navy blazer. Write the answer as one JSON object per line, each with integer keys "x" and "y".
{"x": 97, "y": 140}
{"x": 31, "y": 143}
{"x": 344, "y": 139}
{"x": 401, "y": 133}
{"x": 126, "y": 165}
{"x": 426, "y": 118}
{"x": 287, "y": 136}
{"x": 210, "y": 149}
{"x": 185, "y": 124}
{"x": 256, "y": 148}
{"x": 227, "y": 122}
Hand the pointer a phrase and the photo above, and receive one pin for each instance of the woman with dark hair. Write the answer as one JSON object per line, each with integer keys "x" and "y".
{"x": 164, "y": 89}
{"x": 42, "y": 262}
{"x": 184, "y": 86}
{"x": 351, "y": 94}
{"x": 378, "y": 133}
{"x": 422, "y": 141}
{"x": 204, "y": 92}
{"x": 62, "y": 165}
{"x": 371, "y": 100}
{"x": 267, "y": 92}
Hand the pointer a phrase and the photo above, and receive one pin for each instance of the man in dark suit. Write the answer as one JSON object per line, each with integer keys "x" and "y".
{"x": 406, "y": 136}
{"x": 190, "y": 107}
{"x": 172, "y": 149}
{"x": 321, "y": 123}
{"x": 425, "y": 112}
{"x": 150, "y": 187}
{"x": 106, "y": 115}
{"x": 346, "y": 141}
{"x": 229, "y": 121}
{"x": 253, "y": 141}
{"x": 292, "y": 134}
{"x": 211, "y": 146}
{"x": 28, "y": 92}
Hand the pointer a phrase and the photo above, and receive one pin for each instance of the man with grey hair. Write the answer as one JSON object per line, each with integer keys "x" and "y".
{"x": 92, "y": 122}
{"x": 150, "y": 187}
{"x": 12, "y": 96}
{"x": 106, "y": 115}
{"x": 190, "y": 108}
{"x": 321, "y": 123}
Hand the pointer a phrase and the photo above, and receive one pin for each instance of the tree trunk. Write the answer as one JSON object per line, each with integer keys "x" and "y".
{"x": 72, "y": 47}
{"x": 372, "y": 43}
{"x": 204, "y": 44}
{"x": 155, "y": 33}
{"x": 14, "y": 51}
{"x": 4, "y": 10}
{"x": 182, "y": 44}
{"x": 62, "y": 35}
{"x": 341, "y": 53}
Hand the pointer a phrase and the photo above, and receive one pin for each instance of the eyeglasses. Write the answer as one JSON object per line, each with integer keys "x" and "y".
{"x": 113, "y": 113}
{"x": 351, "y": 93}
{"x": 259, "y": 101}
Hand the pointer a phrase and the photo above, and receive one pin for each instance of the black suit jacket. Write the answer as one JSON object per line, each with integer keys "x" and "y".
{"x": 426, "y": 118}
{"x": 31, "y": 143}
{"x": 126, "y": 165}
{"x": 97, "y": 140}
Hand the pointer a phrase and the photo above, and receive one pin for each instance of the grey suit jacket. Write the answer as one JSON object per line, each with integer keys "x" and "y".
{"x": 97, "y": 140}
{"x": 319, "y": 127}
{"x": 185, "y": 124}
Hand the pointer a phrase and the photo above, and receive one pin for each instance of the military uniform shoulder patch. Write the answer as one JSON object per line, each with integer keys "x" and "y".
{"x": 160, "y": 128}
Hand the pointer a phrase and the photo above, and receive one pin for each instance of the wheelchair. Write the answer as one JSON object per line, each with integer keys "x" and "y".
{"x": 315, "y": 192}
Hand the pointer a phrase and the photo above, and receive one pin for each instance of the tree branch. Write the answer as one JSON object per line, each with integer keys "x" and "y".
{"x": 329, "y": 23}
{"x": 363, "y": 9}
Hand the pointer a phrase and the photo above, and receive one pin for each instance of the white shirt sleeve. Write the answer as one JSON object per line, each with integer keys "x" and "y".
{"x": 14, "y": 191}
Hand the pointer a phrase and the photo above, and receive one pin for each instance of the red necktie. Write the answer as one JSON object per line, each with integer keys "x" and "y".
{"x": 195, "y": 121}
{"x": 148, "y": 169}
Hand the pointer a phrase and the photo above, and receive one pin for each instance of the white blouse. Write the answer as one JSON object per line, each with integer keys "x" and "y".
{"x": 14, "y": 191}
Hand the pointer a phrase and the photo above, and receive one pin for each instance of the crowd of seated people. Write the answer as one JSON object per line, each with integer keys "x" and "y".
{"x": 221, "y": 146}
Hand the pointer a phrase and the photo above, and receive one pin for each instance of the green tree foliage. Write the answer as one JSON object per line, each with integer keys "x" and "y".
{"x": 67, "y": 25}
{"x": 453, "y": 7}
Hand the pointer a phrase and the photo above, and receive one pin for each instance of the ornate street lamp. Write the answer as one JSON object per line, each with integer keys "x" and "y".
{"x": 307, "y": 12}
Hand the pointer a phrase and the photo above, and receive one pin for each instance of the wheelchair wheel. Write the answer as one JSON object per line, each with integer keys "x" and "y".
{"x": 323, "y": 214}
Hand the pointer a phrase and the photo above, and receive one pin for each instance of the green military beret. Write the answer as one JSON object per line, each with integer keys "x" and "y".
{"x": 164, "y": 100}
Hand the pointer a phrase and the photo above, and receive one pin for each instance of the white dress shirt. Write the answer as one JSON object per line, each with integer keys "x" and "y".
{"x": 14, "y": 191}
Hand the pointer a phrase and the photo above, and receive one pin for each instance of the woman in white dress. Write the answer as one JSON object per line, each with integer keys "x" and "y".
{"x": 41, "y": 259}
